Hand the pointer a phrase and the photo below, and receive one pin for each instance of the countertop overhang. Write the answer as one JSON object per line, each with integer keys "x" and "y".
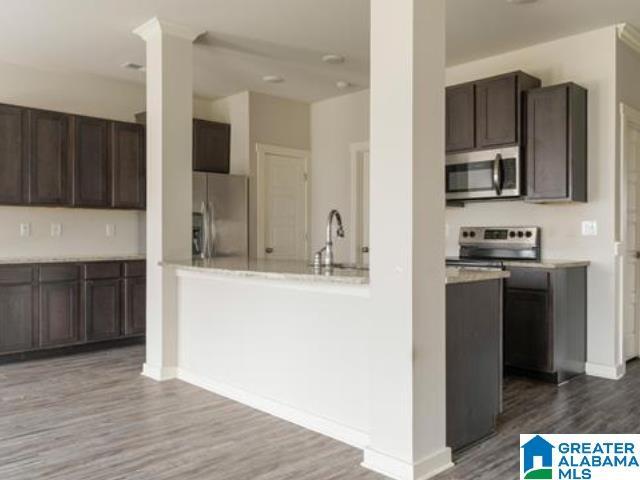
{"x": 71, "y": 259}
{"x": 297, "y": 270}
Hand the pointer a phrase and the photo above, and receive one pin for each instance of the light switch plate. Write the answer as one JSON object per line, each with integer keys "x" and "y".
{"x": 56, "y": 230}
{"x": 25, "y": 229}
{"x": 111, "y": 230}
{"x": 589, "y": 228}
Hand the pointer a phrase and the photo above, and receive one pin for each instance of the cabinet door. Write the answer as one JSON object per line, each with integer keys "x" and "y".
{"x": 13, "y": 155}
{"x": 211, "y": 146}
{"x": 460, "y": 118}
{"x": 547, "y": 144}
{"x": 90, "y": 162}
{"x": 49, "y": 161}
{"x": 17, "y": 318}
{"x": 128, "y": 164}
{"x": 101, "y": 299}
{"x": 528, "y": 340}
{"x": 497, "y": 111}
{"x": 135, "y": 298}
{"x": 59, "y": 314}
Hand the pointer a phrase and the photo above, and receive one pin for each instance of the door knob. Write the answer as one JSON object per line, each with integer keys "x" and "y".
{"x": 268, "y": 250}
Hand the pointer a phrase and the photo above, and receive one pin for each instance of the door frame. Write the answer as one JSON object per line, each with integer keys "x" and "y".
{"x": 262, "y": 150}
{"x": 628, "y": 115}
{"x": 356, "y": 150}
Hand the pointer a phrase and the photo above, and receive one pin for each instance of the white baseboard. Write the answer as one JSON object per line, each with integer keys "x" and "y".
{"x": 159, "y": 374}
{"x": 398, "y": 469}
{"x": 611, "y": 372}
{"x": 324, "y": 426}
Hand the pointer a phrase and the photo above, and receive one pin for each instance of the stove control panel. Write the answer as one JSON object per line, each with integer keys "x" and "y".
{"x": 500, "y": 235}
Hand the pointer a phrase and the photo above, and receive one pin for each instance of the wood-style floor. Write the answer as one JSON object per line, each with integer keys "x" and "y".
{"x": 92, "y": 416}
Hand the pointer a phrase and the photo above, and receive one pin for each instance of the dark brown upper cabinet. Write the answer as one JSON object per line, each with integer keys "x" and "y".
{"x": 499, "y": 109}
{"x": 91, "y": 170}
{"x": 128, "y": 165}
{"x": 460, "y": 118}
{"x": 13, "y": 155}
{"x": 557, "y": 144}
{"x": 18, "y": 314}
{"x": 49, "y": 158}
{"x": 211, "y": 146}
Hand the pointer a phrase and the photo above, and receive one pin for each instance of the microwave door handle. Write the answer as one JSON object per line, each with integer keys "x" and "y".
{"x": 497, "y": 174}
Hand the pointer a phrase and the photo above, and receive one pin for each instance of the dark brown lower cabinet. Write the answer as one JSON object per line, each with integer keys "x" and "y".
{"x": 18, "y": 312}
{"x": 135, "y": 298}
{"x": 59, "y": 313}
{"x": 545, "y": 322}
{"x": 474, "y": 360}
{"x": 101, "y": 299}
{"x": 48, "y": 308}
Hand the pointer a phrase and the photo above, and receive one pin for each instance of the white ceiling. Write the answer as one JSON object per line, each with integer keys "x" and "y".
{"x": 248, "y": 39}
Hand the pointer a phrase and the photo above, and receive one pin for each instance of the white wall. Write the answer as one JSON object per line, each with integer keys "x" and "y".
{"x": 554, "y": 62}
{"x": 335, "y": 124}
{"x": 296, "y": 350}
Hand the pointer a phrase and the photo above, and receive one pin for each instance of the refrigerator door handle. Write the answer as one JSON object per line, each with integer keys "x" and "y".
{"x": 204, "y": 211}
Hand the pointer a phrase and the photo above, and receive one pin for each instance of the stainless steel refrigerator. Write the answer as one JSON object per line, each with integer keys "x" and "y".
{"x": 220, "y": 215}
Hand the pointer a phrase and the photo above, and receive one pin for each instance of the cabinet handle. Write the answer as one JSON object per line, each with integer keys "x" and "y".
{"x": 497, "y": 174}
{"x": 365, "y": 250}
{"x": 268, "y": 250}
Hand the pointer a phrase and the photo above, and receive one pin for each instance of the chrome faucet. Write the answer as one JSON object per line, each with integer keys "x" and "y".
{"x": 327, "y": 261}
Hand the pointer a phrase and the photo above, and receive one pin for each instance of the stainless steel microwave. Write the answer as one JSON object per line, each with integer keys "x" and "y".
{"x": 484, "y": 174}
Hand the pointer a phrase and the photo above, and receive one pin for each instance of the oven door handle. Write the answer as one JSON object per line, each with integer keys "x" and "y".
{"x": 497, "y": 174}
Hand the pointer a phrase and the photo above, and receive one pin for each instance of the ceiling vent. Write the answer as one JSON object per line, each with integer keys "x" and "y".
{"x": 133, "y": 66}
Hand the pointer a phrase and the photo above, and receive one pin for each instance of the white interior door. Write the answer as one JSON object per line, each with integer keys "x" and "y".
{"x": 283, "y": 182}
{"x": 630, "y": 251}
{"x": 360, "y": 202}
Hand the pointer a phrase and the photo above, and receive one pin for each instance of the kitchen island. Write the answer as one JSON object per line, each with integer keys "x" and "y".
{"x": 289, "y": 339}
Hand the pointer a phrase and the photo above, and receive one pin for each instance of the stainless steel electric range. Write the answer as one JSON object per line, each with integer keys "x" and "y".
{"x": 488, "y": 247}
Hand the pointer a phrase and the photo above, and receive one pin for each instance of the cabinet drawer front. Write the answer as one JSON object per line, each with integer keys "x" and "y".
{"x": 528, "y": 279}
{"x": 135, "y": 269}
{"x": 59, "y": 272}
{"x": 16, "y": 274}
{"x": 98, "y": 270}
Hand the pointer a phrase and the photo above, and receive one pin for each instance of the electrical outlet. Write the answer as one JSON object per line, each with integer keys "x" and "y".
{"x": 111, "y": 230}
{"x": 25, "y": 229}
{"x": 56, "y": 230}
{"x": 589, "y": 228}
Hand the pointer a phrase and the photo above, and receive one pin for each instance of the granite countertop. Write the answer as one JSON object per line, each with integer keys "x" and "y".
{"x": 71, "y": 259}
{"x": 295, "y": 270}
{"x": 468, "y": 275}
{"x": 547, "y": 263}
{"x": 301, "y": 271}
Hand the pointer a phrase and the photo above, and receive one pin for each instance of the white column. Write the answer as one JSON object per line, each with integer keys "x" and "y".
{"x": 169, "y": 144}
{"x": 407, "y": 358}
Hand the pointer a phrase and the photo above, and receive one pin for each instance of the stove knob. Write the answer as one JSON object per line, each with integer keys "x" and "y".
{"x": 528, "y": 234}
{"x": 465, "y": 234}
{"x": 512, "y": 234}
{"x": 472, "y": 234}
{"x": 520, "y": 234}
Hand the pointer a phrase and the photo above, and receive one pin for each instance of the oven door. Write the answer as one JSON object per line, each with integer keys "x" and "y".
{"x": 485, "y": 174}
